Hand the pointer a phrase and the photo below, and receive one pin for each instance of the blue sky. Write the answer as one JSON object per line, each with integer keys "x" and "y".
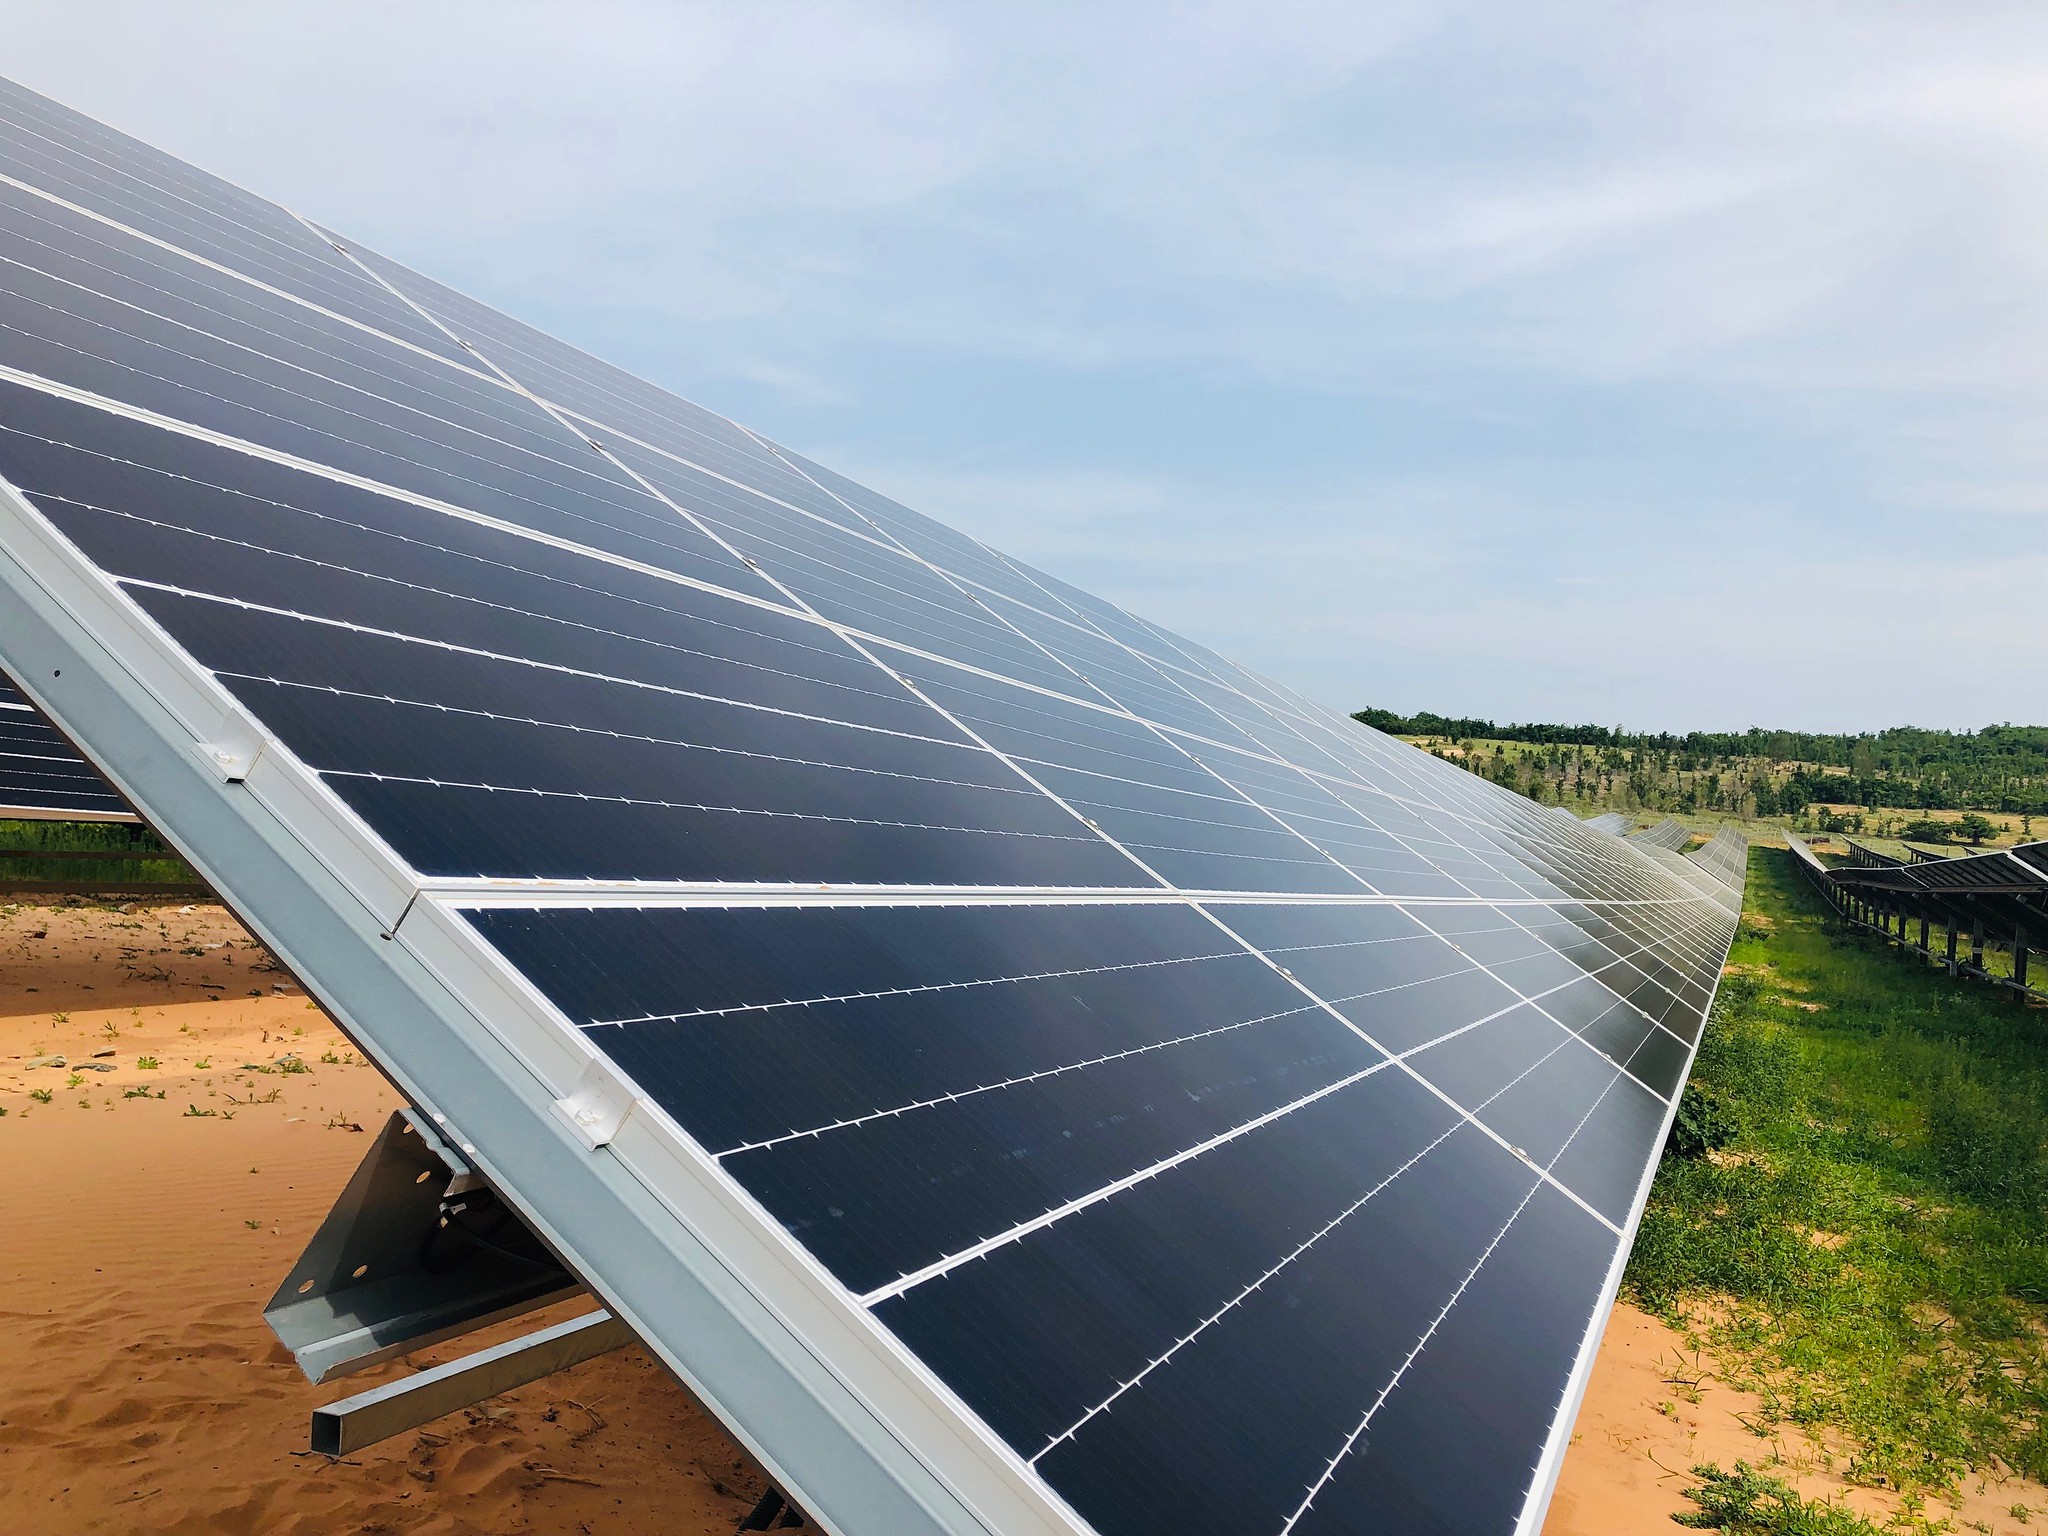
{"x": 1672, "y": 366}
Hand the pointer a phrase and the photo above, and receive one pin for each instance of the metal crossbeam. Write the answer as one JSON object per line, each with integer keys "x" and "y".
{"x": 392, "y": 1409}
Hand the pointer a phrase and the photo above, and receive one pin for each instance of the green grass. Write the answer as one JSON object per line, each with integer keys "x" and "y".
{"x": 154, "y": 862}
{"x": 1865, "y": 1249}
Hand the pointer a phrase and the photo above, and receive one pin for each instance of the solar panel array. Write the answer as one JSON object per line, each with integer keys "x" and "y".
{"x": 1613, "y": 823}
{"x": 1166, "y": 1103}
{"x": 42, "y": 777}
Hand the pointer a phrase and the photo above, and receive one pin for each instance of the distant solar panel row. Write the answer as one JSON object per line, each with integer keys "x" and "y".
{"x": 1138, "y": 1098}
{"x": 41, "y": 774}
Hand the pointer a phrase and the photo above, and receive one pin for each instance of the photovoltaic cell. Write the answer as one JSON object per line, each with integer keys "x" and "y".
{"x": 1145, "y": 1099}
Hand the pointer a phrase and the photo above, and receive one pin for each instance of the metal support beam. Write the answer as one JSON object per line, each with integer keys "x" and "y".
{"x": 1977, "y": 944}
{"x": 1951, "y": 948}
{"x": 2019, "y": 963}
{"x": 392, "y": 1409}
{"x": 416, "y": 1250}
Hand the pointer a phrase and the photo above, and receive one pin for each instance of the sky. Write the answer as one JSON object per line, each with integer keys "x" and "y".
{"x": 1666, "y": 366}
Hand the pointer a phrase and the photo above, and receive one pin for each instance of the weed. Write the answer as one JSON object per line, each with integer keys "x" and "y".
{"x": 60, "y": 1018}
{"x": 75, "y": 1080}
{"x": 203, "y": 1064}
{"x": 267, "y": 1098}
{"x": 292, "y": 1064}
{"x": 41, "y": 1095}
{"x": 1747, "y": 1503}
{"x": 111, "y": 1029}
{"x": 146, "y": 1063}
{"x": 141, "y": 1093}
{"x": 253, "y": 1226}
{"x": 328, "y": 1058}
{"x": 194, "y": 1112}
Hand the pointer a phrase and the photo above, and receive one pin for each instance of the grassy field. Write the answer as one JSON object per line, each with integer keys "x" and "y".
{"x": 1865, "y": 1246}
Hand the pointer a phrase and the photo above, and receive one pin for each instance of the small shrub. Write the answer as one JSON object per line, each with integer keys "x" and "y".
{"x": 1701, "y": 1125}
{"x": 41, "y": 1095}
{"x": 1747, "y": 1503}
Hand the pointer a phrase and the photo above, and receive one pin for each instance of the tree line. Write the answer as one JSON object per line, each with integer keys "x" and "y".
{"x": 2001, "y": 767}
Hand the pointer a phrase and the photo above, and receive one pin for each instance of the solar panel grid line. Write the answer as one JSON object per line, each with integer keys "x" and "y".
{"x": 542, "y": 892}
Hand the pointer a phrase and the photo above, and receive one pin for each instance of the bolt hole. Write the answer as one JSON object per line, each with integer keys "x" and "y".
{"x": 360, "y": 1271}
{"x": 424, "y": 1177}
{"x": 305, "y": 1286}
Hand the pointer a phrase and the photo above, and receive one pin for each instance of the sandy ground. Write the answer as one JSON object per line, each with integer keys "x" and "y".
{"x": 140, "y": 1390}
{"x": 1656, "y": 1408}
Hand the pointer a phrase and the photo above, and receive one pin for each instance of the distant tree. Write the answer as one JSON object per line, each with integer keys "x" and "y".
{"x": 1972, "y": 828}
{"x": 1927, "y": 830}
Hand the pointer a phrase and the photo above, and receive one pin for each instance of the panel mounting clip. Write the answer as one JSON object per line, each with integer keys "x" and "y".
{"x": 233, "y": 751}
{"x": 597, "y": 1106}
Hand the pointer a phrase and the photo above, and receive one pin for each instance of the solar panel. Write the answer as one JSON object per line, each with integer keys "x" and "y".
{"x": 42, "y": 777}
{"x": 1670, "y": 834}
{"x": 1024, "y": 1072}
{"x": 1611, "y": 822}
